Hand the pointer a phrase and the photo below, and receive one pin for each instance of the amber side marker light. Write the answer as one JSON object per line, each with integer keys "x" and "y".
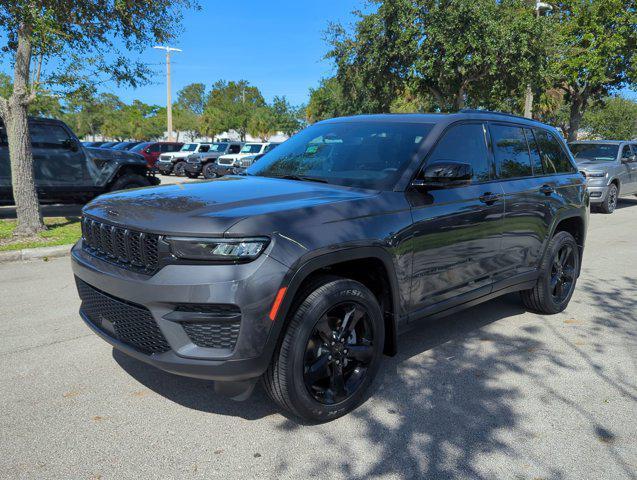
{"x": 277, "y": 302}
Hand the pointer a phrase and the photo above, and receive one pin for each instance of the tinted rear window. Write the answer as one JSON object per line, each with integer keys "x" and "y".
{"x": 554, "y": 158}
{"x": 511, "y": 151}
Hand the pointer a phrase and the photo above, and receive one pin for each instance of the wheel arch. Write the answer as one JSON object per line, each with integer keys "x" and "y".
{"x": 349, "y": 263}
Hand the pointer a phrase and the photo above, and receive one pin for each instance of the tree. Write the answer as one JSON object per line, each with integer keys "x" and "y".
{"x": 192, "y": 97}
{"x": 458, "y": 52}
{"x": 230, "y": 105}
{"x": 613, "y": 118}
{"x": 263, "y": 123}
{"x": 326, "y": 101}
{"x": 82, "y": 38}
{"x": 598, "y": 41}
{"x": 287, "y": 118}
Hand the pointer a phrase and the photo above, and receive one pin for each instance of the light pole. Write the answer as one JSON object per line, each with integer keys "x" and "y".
{"x": 528, "y": 99}
{"x": 169, "y": 103}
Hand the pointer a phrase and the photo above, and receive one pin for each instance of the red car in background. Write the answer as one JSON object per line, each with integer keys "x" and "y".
{"x": 151, "y": 150}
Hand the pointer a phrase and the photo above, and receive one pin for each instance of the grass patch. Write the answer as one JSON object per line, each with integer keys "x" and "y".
{"x": 61, "y": 231}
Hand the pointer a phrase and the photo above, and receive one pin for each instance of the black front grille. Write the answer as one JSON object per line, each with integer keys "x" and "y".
{"x": 126, "y": 248}
{"x": 213, "y": 334}
{"x": 127, "y": 322}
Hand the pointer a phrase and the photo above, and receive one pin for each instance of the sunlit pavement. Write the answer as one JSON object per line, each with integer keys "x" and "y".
{"x": 491, "y": 393}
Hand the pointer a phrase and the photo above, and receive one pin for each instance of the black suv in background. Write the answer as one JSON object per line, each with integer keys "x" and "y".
{"x": 67, "y": 171}
{"x": 303, "y": 271}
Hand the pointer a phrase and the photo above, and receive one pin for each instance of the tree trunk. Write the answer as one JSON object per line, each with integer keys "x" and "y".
{"x": 19, "y": 139}
{"x": 578, "y": 104}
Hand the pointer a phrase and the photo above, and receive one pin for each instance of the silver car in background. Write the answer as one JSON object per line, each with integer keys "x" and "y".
{"x": 610, "y": 167}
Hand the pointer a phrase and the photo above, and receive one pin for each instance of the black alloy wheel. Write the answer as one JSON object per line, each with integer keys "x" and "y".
{"x": 563, "y": 273}
{"x": 338, "y": 353}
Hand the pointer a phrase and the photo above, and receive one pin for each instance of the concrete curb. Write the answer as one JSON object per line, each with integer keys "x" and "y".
{"x": 35, "y": 253}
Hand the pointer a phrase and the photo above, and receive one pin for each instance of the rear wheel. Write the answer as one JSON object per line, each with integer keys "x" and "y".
{"x": 208, "y": 171}
{"x": 330, "y": 352}
{"x": 130, "y": 180}
{"x": 610, "y": 203}
{"x": 180, "y": 169}
{"x": 558, "y": 275}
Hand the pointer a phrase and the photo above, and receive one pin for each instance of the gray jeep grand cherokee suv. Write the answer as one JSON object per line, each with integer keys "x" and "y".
{"x": 303, "y": 271}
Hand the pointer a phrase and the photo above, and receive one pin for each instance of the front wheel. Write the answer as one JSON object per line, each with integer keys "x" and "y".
{"x": 129, "y": 180}
{"x": 330, "y": 352}
{"x": 180, "y": 169}
{"x": 610, "y": 203}
{"x": 558, "y": 275}
{"x": 209, "y": 171}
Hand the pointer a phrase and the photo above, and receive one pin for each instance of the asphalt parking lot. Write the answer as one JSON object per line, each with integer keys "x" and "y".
{"x": 491, "y": 393}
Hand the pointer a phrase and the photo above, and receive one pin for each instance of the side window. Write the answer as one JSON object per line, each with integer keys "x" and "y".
{"x": 48, "y": 136}
{"x": 467, "y": 144}
{"x": 554, "y": 159}
{"x": 512, "y": 159}
{"x": 204, "y": 148}
{"x": 163, "y": 148}
{"x": 156, "y": 148}
{"x": 235, "y": 148}
{"x": 626, "y": 153}
{"x": 3, "y": 136}
{"x": 534, "y": 151}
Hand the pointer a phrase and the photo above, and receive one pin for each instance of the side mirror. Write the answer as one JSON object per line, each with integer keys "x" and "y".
{"x": 71, "y": 144}
{"x": 631, "y": 159}
{"x": 147, "y": 150}
{"x": 444, "y": 175}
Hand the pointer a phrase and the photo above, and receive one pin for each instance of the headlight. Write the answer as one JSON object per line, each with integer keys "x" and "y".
{"x": 217, "y": 249}
{"x": 596, "y": 174}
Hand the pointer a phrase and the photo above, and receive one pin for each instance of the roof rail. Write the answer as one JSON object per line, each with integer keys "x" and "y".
{"x": 491, "y": 112}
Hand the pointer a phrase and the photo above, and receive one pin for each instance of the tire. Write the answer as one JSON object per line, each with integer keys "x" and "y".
{"x": 541, "y": 298}
{"x": 129, "y": 180}
{"x": 610, "y": 202}
{"x": 286, "y": 377}
{"x": 180, "y": 169}
{"x": 208, "y": 171}
{"x": 192, "y": 175}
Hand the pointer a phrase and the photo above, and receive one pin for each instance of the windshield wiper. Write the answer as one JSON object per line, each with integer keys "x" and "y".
{"x": 302, "y": 178}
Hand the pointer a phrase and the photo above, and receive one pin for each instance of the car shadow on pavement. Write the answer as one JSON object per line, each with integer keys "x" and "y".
{"x": 626, "y": 202}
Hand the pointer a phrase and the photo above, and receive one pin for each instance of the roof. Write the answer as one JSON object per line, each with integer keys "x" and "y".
{"x": 435, "y": 117}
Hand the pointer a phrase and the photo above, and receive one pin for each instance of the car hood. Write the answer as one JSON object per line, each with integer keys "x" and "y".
{"x": 589, "y": 164}
{"x": 121, "y": 156}
{"x": 251, "y": 204}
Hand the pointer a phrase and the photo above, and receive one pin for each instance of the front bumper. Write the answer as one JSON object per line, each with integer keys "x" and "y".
{"x": 251, "y": 286}
{"x": 194, "y": 167}
{"x": 222, "y": 170}
{"x": 597, "y": 193}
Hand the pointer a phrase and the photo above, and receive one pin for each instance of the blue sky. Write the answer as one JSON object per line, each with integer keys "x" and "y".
{"x": 276, "y": 45}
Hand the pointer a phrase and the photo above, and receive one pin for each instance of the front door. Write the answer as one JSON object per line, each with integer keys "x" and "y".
{"x": 58, "y": 161}
{"x": 629, "y": 162}
{"x": 457, "y": 232}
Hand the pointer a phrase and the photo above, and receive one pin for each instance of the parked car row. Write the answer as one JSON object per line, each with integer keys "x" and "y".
{"x": 212, "y": 160}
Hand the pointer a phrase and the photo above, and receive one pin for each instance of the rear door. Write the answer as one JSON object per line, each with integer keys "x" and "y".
{"x": 527, "y": 197}
{"x": 628, "y": 162}
{"x": 457, "y": 232}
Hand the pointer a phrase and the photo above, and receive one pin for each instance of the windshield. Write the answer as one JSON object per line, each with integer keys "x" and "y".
{"x": 359, "y": 154}
{"x": 189, "y": 147}
{"x": 218, "y": 147}
{"x": 251, "y": 148}
{"x": 599, "y": 152}
{"x": 139, "y": 147}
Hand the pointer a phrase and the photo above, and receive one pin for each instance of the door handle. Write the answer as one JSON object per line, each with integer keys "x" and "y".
{"x": 488, "y": 198}
{"x": 547, "y": 190}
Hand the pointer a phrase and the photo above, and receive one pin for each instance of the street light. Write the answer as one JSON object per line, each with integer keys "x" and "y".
{"x": 169, "y": 104}
{"x": 528, "y": 99}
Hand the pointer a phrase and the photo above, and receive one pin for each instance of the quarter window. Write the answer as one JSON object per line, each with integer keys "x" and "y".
{"x": 511, "y": 152}
{"x": 465, "y": 144}
{"x": 626, "y": 153}
{"x": 554, "y": 159}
